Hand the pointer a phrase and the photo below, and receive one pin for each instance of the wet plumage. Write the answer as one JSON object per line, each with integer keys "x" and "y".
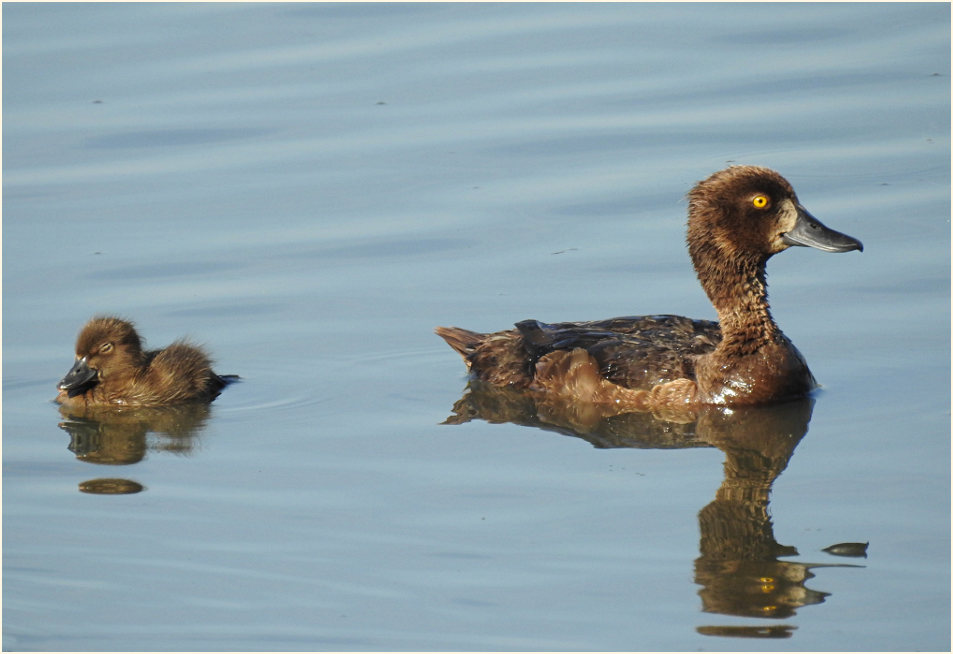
{"x": 738, "y": 219}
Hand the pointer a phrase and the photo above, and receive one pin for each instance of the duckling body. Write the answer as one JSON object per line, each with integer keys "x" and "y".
{"x": 112, "y": 369}
{"x": 738, "y": 219}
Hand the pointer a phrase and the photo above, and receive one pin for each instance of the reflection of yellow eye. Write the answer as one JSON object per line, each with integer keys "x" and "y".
{"x": 760, "y": 201}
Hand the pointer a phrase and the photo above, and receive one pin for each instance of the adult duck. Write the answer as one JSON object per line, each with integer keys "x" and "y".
{"x": 737, "y": 219}
{"x": 112, "y": 369}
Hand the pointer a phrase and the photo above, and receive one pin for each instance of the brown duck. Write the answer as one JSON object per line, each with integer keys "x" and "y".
{"x": 737, "y": 219}
{"x": 112, "y": 369}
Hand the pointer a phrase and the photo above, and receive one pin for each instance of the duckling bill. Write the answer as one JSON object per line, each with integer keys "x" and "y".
{"x": 738, "y": 218}
{"x": 111, "y": 368}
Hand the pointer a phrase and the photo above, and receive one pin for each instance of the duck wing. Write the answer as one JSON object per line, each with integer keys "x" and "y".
{"x": 631, "y": 351}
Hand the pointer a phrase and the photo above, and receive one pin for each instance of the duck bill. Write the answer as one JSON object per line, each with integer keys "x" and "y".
{"x": 79, "y": 378}
{"x": 811, "y": 232}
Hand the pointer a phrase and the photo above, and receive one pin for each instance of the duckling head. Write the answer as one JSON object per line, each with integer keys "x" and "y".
{"x": 107, "y": 348}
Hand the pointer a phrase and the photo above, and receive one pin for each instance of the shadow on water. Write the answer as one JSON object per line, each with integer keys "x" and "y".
{"x": 120, "y": 436}
{"x": 739, "y": 567}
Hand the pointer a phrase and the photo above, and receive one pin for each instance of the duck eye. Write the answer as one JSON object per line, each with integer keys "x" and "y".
{"x": 105, "y": 348}
{"x": 760, "y": 201}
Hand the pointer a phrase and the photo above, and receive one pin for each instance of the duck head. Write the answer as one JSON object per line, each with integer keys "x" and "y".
{"x": 107, "y": 348}
{"x": 749, "y": 212}
{"x": 741, "y": 216}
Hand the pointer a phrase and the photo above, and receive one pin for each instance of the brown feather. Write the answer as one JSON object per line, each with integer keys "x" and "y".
{"x": 126, "y": 375}
{"x": 738, "y": 219}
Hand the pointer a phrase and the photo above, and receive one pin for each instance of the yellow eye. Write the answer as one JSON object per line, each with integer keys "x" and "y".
{"x": 105, "y": 348}
{"x": 760, "y": 201}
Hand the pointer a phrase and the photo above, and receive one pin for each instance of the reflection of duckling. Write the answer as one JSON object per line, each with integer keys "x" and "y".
{"x": 111, "y": 487}
{"x": 738, "y": 219}
{"x": 112, "y": 369}
{"x": 117, "y": 434}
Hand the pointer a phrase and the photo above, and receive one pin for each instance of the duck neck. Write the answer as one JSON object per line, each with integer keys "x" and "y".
{"x": 738, "y": 290}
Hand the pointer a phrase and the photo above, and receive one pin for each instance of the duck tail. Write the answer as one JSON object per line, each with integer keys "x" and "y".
{"x": 462, "y": 340}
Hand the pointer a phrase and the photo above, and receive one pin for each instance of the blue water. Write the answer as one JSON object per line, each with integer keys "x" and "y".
{"x": 308, "y": 189}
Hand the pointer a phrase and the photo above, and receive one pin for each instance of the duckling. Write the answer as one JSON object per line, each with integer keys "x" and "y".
{"x": 112, "y": 369}
{"x": 738, "y": 218}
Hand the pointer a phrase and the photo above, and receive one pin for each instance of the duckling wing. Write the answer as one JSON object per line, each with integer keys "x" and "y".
{"x": 631, "y": 351}
{"x": 182, "y": 372}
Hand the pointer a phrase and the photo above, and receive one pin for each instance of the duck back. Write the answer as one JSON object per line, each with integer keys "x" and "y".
{"x": 636, "y": 352}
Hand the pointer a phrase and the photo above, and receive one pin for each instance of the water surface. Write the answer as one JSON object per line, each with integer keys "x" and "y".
{"x": 309, "y": 189}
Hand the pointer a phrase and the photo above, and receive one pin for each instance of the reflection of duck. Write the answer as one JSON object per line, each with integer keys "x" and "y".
{"x": 599, "y": 424}
{"x": 740, "y": 567}
{"x": 112, "y": 369}
{"x": 738, "y": 219}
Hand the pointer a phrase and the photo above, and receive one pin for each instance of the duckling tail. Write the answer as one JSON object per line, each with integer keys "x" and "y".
{"x": 218, "y": 382}
{"x": 462, "y": 340}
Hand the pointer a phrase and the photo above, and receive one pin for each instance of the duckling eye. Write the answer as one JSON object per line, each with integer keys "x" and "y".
{"x": 760, "y": 201}
{"x": 105, "y": 348}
